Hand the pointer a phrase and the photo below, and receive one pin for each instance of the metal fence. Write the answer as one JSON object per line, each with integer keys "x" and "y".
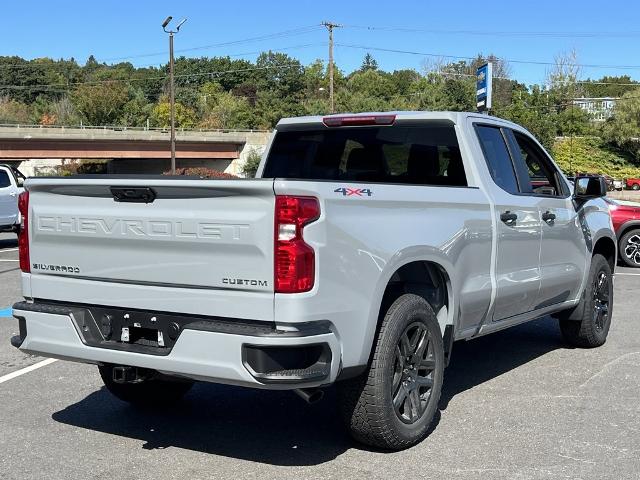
{"x": 119, "y": 128}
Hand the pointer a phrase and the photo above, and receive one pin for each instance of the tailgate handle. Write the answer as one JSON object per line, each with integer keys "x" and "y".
{"x": 133, "y": 194}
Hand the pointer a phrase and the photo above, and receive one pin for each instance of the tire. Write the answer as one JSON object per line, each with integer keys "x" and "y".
{"x": 635, "y": 186}
{"x": 367, "y": 402}
{"x": 588, "y": 324}
{"x": 151, "y": 392}
{"x": 629, "y": 248}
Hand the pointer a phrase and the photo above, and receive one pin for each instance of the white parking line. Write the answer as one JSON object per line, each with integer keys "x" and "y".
{"x": 8, "y": 260}
{"x": 28, "y": 369}
{"x": 630, "y": 274}
{"x": 8, "y": 250}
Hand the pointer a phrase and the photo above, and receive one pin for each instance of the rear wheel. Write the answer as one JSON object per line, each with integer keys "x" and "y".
{"x": 588, "y": 324}
{"x": 629, "y": 247}
{"x": 393, "y": 404}
{"x": 155, "y": 390}
{"x": 635, "y": 186}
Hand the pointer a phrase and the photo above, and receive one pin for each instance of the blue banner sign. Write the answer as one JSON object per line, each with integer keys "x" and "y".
{"x": 484, "y": 80}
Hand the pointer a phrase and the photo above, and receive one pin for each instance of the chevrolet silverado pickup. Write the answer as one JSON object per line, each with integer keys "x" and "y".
{"x": 367, "y": 245}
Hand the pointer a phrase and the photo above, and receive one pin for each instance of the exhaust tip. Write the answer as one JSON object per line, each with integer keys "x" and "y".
{"x": 310, "y": 395}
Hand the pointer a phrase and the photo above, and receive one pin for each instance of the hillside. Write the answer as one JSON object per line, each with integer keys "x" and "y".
{"x": 593, "y": 155}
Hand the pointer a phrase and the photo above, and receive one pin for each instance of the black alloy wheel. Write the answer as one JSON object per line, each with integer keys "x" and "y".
{"x": 413, "y": 373}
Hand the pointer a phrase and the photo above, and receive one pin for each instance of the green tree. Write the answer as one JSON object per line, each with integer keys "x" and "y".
{"x": 403, "y": 79}
{"x": 12, "y": 111}
{"x": 136, "y": 110}
{"x": 271, "y": 106}
{"x": 533, "y": 112}
{"x": 623, "y": 129}
{"x": 572, "y": 122}
{"x": 64, "y": 112}
{"x": 250, "y": 166}
{"x": 609, "y": 86}
{"x": 100, "y": 104}
{"x": 280, "y": 73}
{"x": 161, "y": 115}
{"x": 368, "y": 63}
{"x": 226, "y": 111}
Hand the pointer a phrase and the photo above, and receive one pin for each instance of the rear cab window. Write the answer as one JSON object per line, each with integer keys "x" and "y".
{"x": 424, "y": 154}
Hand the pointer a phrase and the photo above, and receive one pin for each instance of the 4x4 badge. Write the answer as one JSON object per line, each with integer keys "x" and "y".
{"x": 357, "y": 192}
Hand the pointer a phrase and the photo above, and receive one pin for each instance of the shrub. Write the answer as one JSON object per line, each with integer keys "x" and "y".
{"x": 82, "y": 167}
{"x": 594, "y": 155}
{"x": 250, "y": 167}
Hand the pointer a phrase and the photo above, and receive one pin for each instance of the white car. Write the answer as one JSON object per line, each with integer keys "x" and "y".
{"x": 10, "y": 187}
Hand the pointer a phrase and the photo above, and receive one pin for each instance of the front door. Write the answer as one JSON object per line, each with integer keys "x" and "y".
{"x": 563, "y": 253}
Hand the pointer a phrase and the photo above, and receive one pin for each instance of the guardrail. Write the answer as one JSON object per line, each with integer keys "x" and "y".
{"x": 117, "y": 128}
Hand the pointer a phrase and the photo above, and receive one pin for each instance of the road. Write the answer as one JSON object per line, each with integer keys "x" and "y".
{"x": 518, "y": 404}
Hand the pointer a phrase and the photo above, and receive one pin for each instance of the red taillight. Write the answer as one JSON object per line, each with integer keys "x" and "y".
{"x": 294, "y": 259}
{"x": 23, "y": 233}
{"x": 357, "y": 120}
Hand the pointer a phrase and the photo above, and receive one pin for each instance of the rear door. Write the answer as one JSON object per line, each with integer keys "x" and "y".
{"x": 8, "y": 198}
{"x": 518, "y": 229}
{"x": 563, "y": 254}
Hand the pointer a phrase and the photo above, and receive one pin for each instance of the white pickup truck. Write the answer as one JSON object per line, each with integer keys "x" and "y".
{"x": 369, "y": 245}
{"x": 11, "y": 181}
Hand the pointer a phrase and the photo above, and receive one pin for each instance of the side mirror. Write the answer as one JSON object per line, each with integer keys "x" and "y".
{"x": 589, "y": 187}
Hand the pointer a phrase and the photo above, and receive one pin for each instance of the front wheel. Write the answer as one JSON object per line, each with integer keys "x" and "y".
{"x": 635, "y": 186}
{"x": 392, "y": 405}
{"x": 629, "y": 248}
{"x": 588, "y": 324}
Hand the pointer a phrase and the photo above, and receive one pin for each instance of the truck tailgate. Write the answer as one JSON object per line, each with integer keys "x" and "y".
{"x": 195, "y": 234}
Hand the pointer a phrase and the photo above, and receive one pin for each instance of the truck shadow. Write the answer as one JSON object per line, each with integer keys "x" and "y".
{"x": 278, "y": 428}
{"x": 10, "y": 242}
{"x": 477, "y": 361}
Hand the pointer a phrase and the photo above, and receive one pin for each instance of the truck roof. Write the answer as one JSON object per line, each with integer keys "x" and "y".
{"x": 454, "y": 117}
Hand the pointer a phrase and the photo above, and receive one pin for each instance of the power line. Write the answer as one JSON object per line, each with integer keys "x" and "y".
{"x": 270, "y": 36}
{"x": 285, "y": 33}
{"x": 461, "y": 57}
{"x": 493, "y": 33}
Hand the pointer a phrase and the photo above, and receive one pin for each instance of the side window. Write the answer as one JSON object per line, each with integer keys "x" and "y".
{"x": 542, "y": 175}
{"x": 5, "y": 181}
{"x": 498, "y": 158}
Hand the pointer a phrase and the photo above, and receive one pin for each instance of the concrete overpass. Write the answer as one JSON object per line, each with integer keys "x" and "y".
{"x": 131, "y": 150}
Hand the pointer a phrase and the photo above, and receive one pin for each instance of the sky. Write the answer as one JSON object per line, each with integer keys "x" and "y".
{"x": 605, "y": 34}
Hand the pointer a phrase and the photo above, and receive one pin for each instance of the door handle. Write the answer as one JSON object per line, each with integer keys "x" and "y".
{"x": 508, "y": 217}
{"x": 548, "y": 217}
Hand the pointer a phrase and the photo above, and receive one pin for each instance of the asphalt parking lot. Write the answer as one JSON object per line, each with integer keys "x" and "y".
{"x": 518, "y": 404}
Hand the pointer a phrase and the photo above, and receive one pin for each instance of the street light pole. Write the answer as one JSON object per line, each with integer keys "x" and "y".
{"x": 172, "y": 96}
{"x": 172, "y": 103}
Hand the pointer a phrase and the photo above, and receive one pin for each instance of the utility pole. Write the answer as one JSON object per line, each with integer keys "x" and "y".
{"x": 172, "y": 99}
{"x": 330, "y": 26}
